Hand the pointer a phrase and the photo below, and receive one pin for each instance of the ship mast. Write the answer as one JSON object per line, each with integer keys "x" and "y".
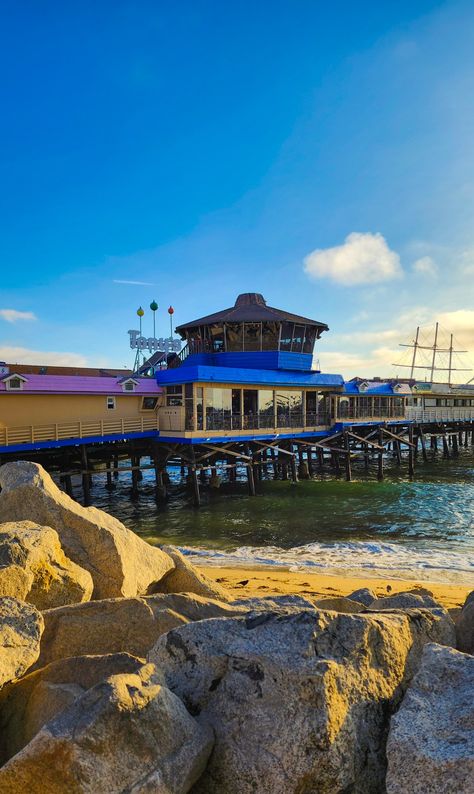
{"x": 436, "y": 350}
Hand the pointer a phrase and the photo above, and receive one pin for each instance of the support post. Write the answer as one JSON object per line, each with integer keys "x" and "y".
{"x": 411, "y": 455}
{"x": 85, "y": 476}
{"x": 251, "y": 479}
{"x": 380, "y": 457}
{"x": 348, "y": 458}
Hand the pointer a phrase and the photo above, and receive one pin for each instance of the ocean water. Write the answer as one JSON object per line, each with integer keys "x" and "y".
{"x": 422, "y": 528}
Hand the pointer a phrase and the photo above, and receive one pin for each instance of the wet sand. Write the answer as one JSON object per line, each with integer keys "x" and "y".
{"x": 244, "y": 582}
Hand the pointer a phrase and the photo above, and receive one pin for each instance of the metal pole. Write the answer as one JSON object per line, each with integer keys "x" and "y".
{"x": 434, "y": 352}
{"x": 450, "y": 358}
{"x": 414, "y": 352}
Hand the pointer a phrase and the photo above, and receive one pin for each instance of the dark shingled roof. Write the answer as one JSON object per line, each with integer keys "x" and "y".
{"x": 251, "y": 307}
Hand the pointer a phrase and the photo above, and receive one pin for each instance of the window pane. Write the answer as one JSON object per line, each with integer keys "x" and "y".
{"x": 250, "y": 408}
{"x": 218, "y": 408}
{"x": 270, "y": 335}
{"x": 289, "y": 408}
{"x": 286, "y": 336}
{"x": 309, "y": 339}
{"x": 252, "y": 336}
{"x": 298, "y": 338}
{"x": 265, "y": 408}
{"x": 217, "y": 338}
{"x": 234, "y": 336}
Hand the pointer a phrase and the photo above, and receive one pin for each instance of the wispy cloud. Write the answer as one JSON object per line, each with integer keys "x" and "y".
{"x": 134, "y": 283}
{"x": 23, "y": 355}
{"x": 426, "y": 266}
{"x": 14, "y": 316}
{"x": 363, "y": 258}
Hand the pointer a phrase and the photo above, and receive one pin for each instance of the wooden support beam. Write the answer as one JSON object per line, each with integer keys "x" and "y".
{"x": 411, "y": 453}
{"x": 380, "y": 474}
{"x": 85, "y": 475}
{"x": 396, "y": 437}
{"x": 363, "y": 440}
{"x": 348, "y": 457}
{"x": 273, "y": 446}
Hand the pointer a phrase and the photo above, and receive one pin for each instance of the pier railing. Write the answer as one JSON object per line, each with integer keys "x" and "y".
{"x": 439, "y": 414}
{"x": 32, "y": 434}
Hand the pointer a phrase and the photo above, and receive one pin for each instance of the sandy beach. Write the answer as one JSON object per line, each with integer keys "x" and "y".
{"x": 262, "y": 581}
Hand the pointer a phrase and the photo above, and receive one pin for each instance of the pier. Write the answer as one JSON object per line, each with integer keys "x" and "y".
{"x": 242, "y": 397}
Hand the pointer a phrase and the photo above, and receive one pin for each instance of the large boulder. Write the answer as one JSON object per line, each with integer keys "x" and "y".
{"x": 339, "y": 604}
{"x": 406, "y": 600}
{"x": 21, "y": 626}
{"x": 49, "y": 578}
{"x": 120, "y": 563}
{"x": 185, "y": 578}
{"x": 26, "y": 705}
{"x": 430, "y": 747}
{"x": 112, "y": 625}
{"x": 364, "y": 596}
{"x": 126, "y": 734}
{"x": 284, "y": 604}
{"x": 299, "y": 702}
{"x": 465, "y": 626}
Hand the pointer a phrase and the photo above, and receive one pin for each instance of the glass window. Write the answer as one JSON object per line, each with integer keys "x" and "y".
{"x": 252, "y": 336}
{"x": 309, "y": 339}
{"x": 289, "y": 405}
{"x": 298, "y": 339}
{"x": 250, "y": 408}
{"x": 110, "y": 403}
{"x": 266, "y": 416}
{"x": 236, "y": 406}
{"x": 149, "y": 403}
{"x": 234, "y": 336}
{"x": 216, "y": 332}
{"x": 174, "y": 395}
{"x": 218, "y": 408}
{"x": 286, "y": 336}
{"x": 14, "y": 384}
{"x": 199, "y": 407}
{"x": 270, "y": 336}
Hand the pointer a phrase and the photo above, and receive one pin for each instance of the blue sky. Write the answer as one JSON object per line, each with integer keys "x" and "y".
{"x": 321, "y": 154}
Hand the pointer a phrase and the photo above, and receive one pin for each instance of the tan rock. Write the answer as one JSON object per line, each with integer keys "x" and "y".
{"x": 53, "y": 579}
{"x": 185, "y": 578}
{"x": 120, "y": 563}
{"x": 339, "y": 604}
{"x": 126, "y": 734}
{"x": 299, "y": 702}
{"x": 26, "y": 705}
{"x": 15, "y": 581}
{"x": 21, "y": 626}
{"x": 430, "y": 748}
{"x": 413, "y": 599}
{"x": 465, "y": 628}
{"x": 112, "y": 625}
{"x": 194, "y": 607}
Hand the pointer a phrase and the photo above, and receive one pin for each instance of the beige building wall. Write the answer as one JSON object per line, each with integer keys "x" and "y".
{"x": 17, "y": 410}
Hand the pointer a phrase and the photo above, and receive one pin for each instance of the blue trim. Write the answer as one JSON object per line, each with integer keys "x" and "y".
{"x": 227, "y": 439}
{"x": 74, "y": 442}
{"x": 259, "y": 359}
{"x": 257, "y": 377}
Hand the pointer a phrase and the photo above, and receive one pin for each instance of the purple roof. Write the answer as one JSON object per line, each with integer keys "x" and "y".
{"x": 78, "y": 384}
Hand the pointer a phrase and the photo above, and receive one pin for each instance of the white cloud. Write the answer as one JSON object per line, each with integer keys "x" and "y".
{"x": 461, "y": 324}
{"x": 13, "y": 316}
{"x": 377, "y": 362}
{"x": 364, "y": 258}
{"x": 426, "y": 266}
{"x": 23, "y": 355}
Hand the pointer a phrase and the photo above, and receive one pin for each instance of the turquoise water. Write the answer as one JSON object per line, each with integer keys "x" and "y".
{"x": 423, "y": 527}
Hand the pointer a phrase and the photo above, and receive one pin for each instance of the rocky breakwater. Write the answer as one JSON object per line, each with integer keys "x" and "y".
{"x": 123, "y": 669}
